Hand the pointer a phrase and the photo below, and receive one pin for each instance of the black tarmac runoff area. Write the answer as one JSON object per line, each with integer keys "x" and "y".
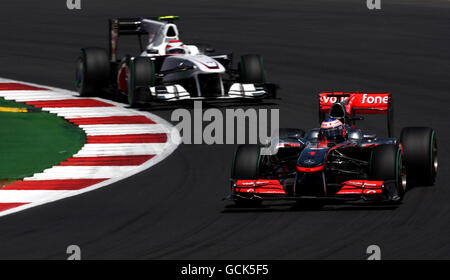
{"x": 175, "y": 210}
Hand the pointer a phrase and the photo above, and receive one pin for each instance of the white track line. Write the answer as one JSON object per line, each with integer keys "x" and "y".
{"x": 25, "y": 196}
{"x": 87, "y": 112}
{"x": 121, "y": 129}
{"x": 38, "y": 95}
{"x": 80, "y": 172}
{"x": 95, "y": 150}
{"x": 115, "y": 173}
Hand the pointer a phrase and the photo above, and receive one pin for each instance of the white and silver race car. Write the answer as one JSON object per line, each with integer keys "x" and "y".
{"x": 167, "y": 69}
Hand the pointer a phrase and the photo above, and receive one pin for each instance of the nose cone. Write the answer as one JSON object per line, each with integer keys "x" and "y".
{"x": 311, "y": 157}
{"x": 208, "y": 64}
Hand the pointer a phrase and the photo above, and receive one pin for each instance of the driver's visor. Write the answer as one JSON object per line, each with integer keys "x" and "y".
{"x": 331, "y": 132}
{"x": 176, "y": 51}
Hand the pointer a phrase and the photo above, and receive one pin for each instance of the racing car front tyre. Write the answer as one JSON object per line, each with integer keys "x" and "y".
{"x": 420, "y": 148}
{"x": 251, "y": 69}
{"x": 246, "y": 167}
{"x": 92, "y": 71}
{"x": 386, "y": 164}
{"x": 246, "y": 163}
{"x": 142, "y": 76}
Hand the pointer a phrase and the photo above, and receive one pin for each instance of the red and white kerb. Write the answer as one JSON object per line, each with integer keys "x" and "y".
{"x": 120, "y": 142}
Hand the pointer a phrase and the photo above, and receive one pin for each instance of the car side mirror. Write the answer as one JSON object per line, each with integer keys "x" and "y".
{"x": 369, "y": 136}
{"x": 182, "y": 66}
{"x": 210, "y": 50}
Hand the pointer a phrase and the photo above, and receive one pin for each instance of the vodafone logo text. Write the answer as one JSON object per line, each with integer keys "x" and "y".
{"x": 356, "y": 98}
{"x": 330, "y": 100}
{"x": 374, "y": 99}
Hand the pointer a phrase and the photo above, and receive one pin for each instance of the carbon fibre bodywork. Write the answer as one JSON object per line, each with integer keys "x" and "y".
{"x": 309, "y": 167}
{"x": 314, "y": 167}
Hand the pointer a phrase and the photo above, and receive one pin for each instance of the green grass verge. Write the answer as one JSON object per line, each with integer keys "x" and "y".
{"x": 32, "y": 142}
{"x": 13, "y": 104}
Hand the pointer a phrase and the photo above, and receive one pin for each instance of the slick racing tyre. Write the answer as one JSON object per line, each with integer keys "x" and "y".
{"x": 386, "y": 164}
{"x": 246, "y": 167}
{"x": 420, "y": 148}
{"x": 251, "y": 69}
{"x": 142, "y": 76}
{"x": 246, "y": 163}
{"x": 92, "y": 71}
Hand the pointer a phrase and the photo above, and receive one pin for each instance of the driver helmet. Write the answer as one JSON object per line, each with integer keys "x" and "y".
{"x": 333, "y": 130}
{"x": 175, "y": 47}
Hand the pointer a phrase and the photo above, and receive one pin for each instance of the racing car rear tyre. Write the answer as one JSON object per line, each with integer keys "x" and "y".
{"x": 251, "y": 69}
{"x": 92, "y": 71}
{"x": 386, "y": 164}
{"x": 142, "y": 76}
{"x": 420, "y": 148}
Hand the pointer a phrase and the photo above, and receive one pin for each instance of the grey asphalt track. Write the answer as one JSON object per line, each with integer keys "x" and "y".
{"x": 174, "y": 210}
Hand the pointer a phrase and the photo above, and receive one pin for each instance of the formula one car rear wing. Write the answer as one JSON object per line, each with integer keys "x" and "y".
{"x": 134, "y": 26}
{"x": 356, "y": 103}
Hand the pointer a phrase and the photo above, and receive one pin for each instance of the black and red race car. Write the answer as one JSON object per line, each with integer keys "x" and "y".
{"x": 355, "y": 167}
